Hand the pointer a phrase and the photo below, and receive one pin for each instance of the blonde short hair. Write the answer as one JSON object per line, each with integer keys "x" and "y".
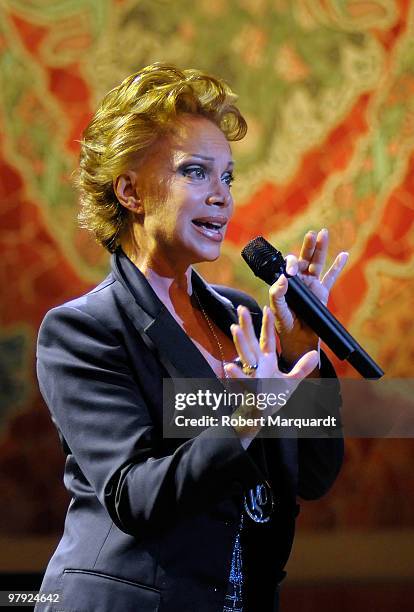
{"x": 129, "y": 120}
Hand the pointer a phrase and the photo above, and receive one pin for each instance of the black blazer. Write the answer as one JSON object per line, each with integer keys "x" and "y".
{"x": 152, "y": 521}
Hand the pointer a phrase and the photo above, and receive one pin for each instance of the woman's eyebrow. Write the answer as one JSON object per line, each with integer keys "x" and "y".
{"x": 206, "y": 158}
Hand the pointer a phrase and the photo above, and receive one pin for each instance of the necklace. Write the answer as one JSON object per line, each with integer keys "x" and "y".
{"x": 234, "y": 596}
{"x": 210, "y": 325}
{"x": 259, "y": 503}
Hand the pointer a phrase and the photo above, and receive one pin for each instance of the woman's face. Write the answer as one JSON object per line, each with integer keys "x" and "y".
{"x": 184, "y": 191}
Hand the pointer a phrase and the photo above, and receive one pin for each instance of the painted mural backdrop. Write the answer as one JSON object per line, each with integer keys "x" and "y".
{"x": 328, "y": 90}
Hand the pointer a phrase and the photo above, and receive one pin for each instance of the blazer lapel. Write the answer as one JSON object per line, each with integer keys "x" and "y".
{"x": 157, "y": 326}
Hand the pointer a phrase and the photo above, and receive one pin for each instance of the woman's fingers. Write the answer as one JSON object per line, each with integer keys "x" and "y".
{"x": 249, "y": 350}
{"x": 233, "y": 371}
{"x": 267, "y": 333}
{"x": 244, "y": 337}
{"x": 306, "y": 364}
{"x": 245, "y": 322}
{"x": 283, "y": 315}
{"x": 242, "y": 346}
{"x": 313, "y": 254}
{"x": 334, "y": 271}
{"x": 307, "y": 250}
{"x": 292, "y": 265}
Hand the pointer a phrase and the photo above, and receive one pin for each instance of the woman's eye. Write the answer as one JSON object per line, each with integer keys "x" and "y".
{"x": 228, "y": 178}
{"x": 197, "y": 172}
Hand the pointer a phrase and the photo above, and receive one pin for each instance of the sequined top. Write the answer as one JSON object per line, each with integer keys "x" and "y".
{"x": 234, "y": 598}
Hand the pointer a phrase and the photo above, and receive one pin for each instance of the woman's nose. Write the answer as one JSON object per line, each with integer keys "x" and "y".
{"x": 219, "y": 194}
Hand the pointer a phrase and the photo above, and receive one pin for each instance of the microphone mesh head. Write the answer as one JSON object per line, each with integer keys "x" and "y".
{"x": 265, "y": 261}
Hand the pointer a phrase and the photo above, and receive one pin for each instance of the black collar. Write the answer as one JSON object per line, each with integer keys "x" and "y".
{"x": 158, "y": 327}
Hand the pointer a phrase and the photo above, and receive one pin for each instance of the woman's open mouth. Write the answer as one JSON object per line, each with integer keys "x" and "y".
{"x": 211, "y": 227}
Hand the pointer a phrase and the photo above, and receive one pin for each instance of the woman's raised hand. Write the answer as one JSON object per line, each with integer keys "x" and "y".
{"x": 262, "y": 353}
{"x": 295, "y": 337}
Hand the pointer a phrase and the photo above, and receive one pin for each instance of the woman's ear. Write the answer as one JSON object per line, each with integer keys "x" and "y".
{"x": 125, "y": 188}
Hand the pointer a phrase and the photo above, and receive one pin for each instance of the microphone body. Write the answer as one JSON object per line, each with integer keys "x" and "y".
{"x": 268, "y": 264}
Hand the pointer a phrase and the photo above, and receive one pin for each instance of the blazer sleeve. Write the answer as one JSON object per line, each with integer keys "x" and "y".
{"x": 320, "y": 459}
{"x": 87, "y": 383}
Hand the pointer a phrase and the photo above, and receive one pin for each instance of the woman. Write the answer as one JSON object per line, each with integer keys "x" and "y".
{"x": 156, "y": 523}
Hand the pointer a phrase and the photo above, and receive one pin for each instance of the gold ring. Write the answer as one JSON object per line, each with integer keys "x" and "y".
{"x": 247, "y": 368}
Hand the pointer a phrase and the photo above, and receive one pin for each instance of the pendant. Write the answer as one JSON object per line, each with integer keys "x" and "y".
{"x": 259, "y": 503}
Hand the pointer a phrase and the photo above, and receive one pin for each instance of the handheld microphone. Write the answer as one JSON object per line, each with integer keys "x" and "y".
{"x": 268, "y": 264}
